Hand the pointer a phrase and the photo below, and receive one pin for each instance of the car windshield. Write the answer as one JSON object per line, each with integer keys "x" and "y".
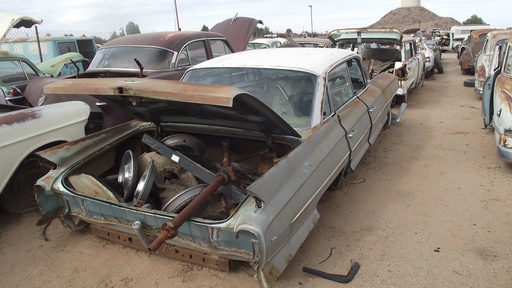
{"x": 122, "y": 57}
{"x": 288, "y": 93}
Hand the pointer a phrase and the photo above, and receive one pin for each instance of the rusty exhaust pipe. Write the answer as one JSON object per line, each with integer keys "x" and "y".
{"x": 169, "y": 229}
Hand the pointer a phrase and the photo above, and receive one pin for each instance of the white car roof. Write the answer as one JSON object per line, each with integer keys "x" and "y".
{"x": 313, "y": 60}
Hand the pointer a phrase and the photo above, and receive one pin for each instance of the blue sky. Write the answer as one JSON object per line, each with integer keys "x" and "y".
{"x": 159, "y": 15}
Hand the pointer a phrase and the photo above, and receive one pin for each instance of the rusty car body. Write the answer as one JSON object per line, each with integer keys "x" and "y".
{"x": 214, "y": 174}
{"x": 497, "y": 98}
{"x": 25, "y": 131}
{"x": 386, "y": 51}
{"x": 484, "y": 58}
{"x": 160, "y": 55}
{"x": 470, "y": 48}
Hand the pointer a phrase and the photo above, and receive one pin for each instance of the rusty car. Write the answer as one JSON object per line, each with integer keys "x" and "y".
{"x": 484, "y": 58}
{"x": 386, "y": 51}
{"x": 497, "y": 98}
{"x": 222, "y": 171}
{"x": 25, "y": 131}
{"x": 160, "y": 55}
{"x": 470, "y": 48}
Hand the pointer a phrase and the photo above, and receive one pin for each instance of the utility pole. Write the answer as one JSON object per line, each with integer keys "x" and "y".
{"x": 311, "y": 13}
{"x": 177, "y": 20}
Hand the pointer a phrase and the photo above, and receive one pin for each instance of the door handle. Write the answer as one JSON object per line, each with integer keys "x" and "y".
{"x": 352, "y": 133}
{"x": 372, "y": 109}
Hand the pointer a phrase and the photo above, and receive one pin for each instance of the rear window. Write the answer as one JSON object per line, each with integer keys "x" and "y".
{"x": 122, "y": 57}
{"x": 16, "y": 71}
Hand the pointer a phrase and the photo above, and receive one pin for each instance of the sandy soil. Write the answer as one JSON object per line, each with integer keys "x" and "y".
{"x": 428, "y": 206}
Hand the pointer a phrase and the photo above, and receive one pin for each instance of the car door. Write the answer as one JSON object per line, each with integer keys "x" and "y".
{"x": 351, "y": 113}
{"x": 412, "y": 62}
{"x": 369, "y": 95}
{"x": 488, "y": 86}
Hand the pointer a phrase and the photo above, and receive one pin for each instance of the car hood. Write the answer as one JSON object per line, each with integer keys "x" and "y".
{"x": 165, "y": 101}
{"x": 54, "y": 65}
{"x": 366, "y": 35}
{"x": 10, "y": 20}
{"x": 237, "y": 30}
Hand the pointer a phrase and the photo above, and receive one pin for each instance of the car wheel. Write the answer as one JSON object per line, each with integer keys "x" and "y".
{"x": 469, "y": 82}
{"x": 18, "y": 196}
{"x": 438, "y": 65}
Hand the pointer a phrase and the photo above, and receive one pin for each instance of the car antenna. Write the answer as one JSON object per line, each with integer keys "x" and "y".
{"x": 141, "y": 68}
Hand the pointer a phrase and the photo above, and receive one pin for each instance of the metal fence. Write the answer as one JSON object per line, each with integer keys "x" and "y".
{"x": 39, "y": 45}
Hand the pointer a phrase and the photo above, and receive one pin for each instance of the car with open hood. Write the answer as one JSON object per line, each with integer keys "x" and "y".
{"x": 159, "y": 55}
{"x": 226, "y": 170}
{"x": 386, "y": 51}
{"x": 497, "y": 98}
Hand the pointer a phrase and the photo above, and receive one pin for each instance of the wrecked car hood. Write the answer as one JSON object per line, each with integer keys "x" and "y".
{"x": 237, "y": 30}
{"x": 54, "y": 65}
{"x": 366, "y": 35}
{"x": 165, "y": 101}
{"x": 11, "y": 20}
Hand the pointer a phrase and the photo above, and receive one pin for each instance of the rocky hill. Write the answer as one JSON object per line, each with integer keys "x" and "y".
{"x": 414, "y": 17}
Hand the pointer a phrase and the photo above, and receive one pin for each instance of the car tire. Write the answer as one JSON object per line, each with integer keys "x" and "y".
{"x": 469, "y": 82}
{"x": 18, "y": 196}
{"x": 438, "y": 65}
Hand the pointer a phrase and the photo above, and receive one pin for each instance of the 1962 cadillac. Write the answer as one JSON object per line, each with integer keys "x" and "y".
{"x": 214, "y": 174}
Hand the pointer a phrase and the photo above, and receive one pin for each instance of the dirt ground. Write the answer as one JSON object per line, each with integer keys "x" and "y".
{"x": 428, "y": 206}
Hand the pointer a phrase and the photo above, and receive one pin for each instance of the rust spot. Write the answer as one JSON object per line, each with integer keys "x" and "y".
{"x": 19, "y": 117}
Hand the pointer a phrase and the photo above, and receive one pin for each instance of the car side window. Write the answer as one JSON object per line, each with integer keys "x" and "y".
{"x": 508, "y": 61}
{"x": 14, "y": 71}
{"x": 192, "y": 54}
{"x": 219, "y": 48}
{"x": 339, "y": 86}
{"x": 356, "y": 75}
{"x": 29, "y": 70}
{"x": 407, "y": 51}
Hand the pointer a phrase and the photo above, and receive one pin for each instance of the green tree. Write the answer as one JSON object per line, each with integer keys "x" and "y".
{"x": 99, "y": 40}
{"x": 205, "y": 28}
{"x": 113, "y": 35}
{"x": 474, "y": 19}
{"x": 132, "y": 28}
{"x": 260, "y": 32}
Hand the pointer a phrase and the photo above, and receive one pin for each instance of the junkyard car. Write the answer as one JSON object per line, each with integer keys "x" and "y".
{"x": 220, "y": 173}
{"x": 470, "y": 48}
{"x": 438, "y": 65}
{"x": 15, "y": 70}
{"x": 160, "y": 55}
{"x": 497, "y": 98}
{"x": 264, "y": 43}
{"x": 484, "y": 58}
{"x": 315, "y": 42}
{"x": 429, "y": 57}
{"x": 25, "y": 131}
{"x": 386, "y": 51}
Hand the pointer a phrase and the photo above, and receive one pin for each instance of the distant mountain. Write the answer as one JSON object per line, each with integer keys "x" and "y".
{"x": 414, "y": 17}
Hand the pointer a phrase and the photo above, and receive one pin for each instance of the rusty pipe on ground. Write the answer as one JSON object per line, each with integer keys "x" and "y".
{"x": 169, "y": 229}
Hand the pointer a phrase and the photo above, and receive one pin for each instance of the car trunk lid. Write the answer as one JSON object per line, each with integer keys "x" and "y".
{"x": 165, "y": 101}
